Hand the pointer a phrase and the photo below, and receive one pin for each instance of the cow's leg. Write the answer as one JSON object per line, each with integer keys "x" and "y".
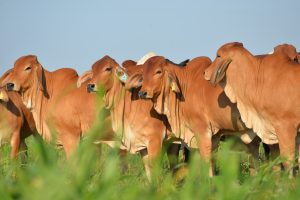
{"x": 173, "y": 154}
{"x": 186, "y": 154}
{"x": 287, "y": 143}
{"x": 146, "y": 162}
{"x": 123, "y": 160}
{"x": 23, "y": 151}
{"x": 150, "y": 154}
{"x": 205, "y": 148}
{"x": 69, "y": 142}
{"x": 15, "y": 143}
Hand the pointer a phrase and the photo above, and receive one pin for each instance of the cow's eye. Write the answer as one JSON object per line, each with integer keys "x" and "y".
{"x": 218, "y": 56}
{"x": 28, "y": 68}
{"x": 108, "y": 69}
{"x": 158, "y": 72}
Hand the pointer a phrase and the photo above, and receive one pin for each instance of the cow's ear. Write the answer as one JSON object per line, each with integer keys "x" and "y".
{"x": 4, "y": 76}
{"x": 41, "y": 77}
{"x": 121, "y": 74}
{"x": 134, "y": 81}
{"x": 3, "y": 96}
{"x": 220, "y": 71}
{"x": 84, "y": 77}
{"x": 128, "y": 63}
{"x": 173, "y": 83}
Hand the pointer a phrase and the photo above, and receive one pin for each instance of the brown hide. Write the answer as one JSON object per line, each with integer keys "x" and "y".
{"x": 16, "y": 121}
{"x": 195, "y": 109}
{"x": 266, "y": 91}
{"x": 140, "y": 126}
{"x": 55, "y": 102}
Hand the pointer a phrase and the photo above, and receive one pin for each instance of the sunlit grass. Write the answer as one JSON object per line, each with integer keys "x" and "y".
{"x": 88, "y": 175}
{"x": 94, "y": 172}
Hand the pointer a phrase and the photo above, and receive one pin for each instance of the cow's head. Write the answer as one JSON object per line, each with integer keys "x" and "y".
{"x": 287, "y": 50}
{"x": 226, "y": 54}
{"x": 157, "y": 76}
{"x": 26, "y": 74}
{"x": 102, "y": 74}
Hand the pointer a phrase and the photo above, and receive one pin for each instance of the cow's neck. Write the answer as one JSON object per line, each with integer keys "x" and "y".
{"x": 115, "y": 101}
{"x": 37, "y": 101}
{"x": 170, "y": 104}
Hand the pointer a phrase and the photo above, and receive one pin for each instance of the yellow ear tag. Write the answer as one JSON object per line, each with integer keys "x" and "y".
{"x": 173, "y": 86}
{"x": 1, "y": 95}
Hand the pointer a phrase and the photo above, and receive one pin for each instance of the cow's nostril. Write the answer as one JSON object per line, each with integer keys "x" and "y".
{"x": 10, "y": 86}
{"x": 91, "y": 87}
{"x": 142, "y": 94}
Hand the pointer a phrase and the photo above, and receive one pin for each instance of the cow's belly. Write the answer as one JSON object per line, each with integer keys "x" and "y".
{"x": 261, "y": 126}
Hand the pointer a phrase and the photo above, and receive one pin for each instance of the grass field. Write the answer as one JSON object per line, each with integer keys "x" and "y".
{"x": 48, "y": 175}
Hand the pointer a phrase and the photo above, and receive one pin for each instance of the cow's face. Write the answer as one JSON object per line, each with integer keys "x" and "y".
{"x": 153, "y": 75}
{"x": 216, "y": 72}
{"x": 101, "y": 75}
{"x": 26, "y": 73}
{"x": 156, "y": 74}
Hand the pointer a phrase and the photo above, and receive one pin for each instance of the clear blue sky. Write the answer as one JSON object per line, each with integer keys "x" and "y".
{"x": 77, "y": 33}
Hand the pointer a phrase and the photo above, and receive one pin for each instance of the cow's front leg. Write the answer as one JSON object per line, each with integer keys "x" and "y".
{"x": 205, "y": 148}
{"x": 150, "y": 154}
{"x": 15, "y": 144}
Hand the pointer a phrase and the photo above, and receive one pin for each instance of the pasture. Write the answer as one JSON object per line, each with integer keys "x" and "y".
{"x": 47, "y": 174}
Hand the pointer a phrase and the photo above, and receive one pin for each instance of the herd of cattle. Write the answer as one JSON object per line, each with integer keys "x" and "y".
{"x": 191, "y": 104}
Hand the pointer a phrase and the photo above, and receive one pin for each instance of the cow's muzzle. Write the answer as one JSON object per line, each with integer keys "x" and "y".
{"x": 10, "y": 86}
{"x": 143, "y": 94}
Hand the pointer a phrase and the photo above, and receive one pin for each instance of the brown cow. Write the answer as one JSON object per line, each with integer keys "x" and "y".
{"x": 54, "y": 100}
{"x": 143, "y": 130}
{"x": 16, "y": 121}
{"x": 189, "y": 102}
{"x": 266, "y": 92}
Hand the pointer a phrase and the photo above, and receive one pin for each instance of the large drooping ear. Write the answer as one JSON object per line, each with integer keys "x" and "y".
{"x": 84, "y": 77}
{"x": 121, "y": 74}
{"x": 128, "y": 63}
{"x": 40, "y": 76}
{"x": 173, "y": 83}
{"x": 4, "y": 76}
{"x": 4, "y": 96}
{"x": 134, "y": 81}
{"x": 219, "y": 72}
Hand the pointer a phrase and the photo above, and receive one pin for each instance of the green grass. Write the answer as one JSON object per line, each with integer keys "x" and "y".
{"x": 88, "y": 175}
